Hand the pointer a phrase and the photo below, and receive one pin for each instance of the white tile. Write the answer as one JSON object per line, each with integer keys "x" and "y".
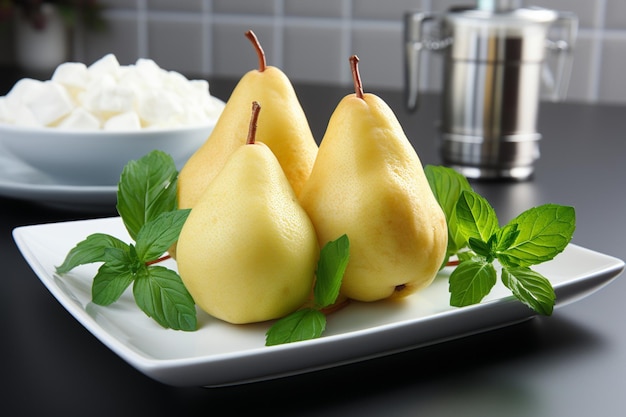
{"x": 387, "y": 10}
{"x": 380, "y": 51}
{"x": 120, "y": 38}
{"x": 314, "y": 53}
{"x": 317, "y": 8}
{"x": 311, "y": 40}
{"x": 615, "y": 14}
{"x": 175, "y": 5}
{"x": 612, "y": 88}
{"x": 176, "y": 45}
{"x": 263, "y": 7}
{"x": 233, "y": 54}
{"x": 119, "y": 4}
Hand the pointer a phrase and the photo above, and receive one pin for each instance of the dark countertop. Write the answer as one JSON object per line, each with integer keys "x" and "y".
{"x": 570, "y": 364}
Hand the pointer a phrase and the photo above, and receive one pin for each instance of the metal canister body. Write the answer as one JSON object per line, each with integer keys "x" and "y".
{"x": 493, "y": 72}
{"x": 492, "y": 80}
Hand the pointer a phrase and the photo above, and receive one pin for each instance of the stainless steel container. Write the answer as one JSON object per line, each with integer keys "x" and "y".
{"x": 494, "y": 64}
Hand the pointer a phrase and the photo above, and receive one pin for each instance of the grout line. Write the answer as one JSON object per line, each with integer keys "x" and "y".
{"x": 207, "y": 38}
{"x": 345, "y": 22}
{"x": 142, "y": 29}
{"x": 595, "y": 72}
{"x": 345, "y": 77}
{"x": 279, "y": 31}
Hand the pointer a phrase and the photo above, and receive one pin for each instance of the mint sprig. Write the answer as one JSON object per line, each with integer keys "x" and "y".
{"x": 535, "y": 236}
{"x": 146, "y": 189}
{"x": 447, "y": 186}
{"x": 147, "y": 206}
{"x": 310, "y": 322}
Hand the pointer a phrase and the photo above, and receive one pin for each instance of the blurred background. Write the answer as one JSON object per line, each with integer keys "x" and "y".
{"x": 312, "y": 40}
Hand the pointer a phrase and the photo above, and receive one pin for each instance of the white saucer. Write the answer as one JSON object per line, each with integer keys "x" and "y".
{"x": 18, "y": 180}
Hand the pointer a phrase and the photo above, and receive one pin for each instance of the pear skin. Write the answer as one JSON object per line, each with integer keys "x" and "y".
{"x": 248, "y": 251}
{"x": 283, "y": 127}
{"x": 368, "y": 182}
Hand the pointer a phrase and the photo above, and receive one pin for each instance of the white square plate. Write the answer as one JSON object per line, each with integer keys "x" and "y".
{"x": 223, "y": 354}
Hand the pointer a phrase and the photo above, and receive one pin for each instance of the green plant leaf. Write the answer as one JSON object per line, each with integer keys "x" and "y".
{"x": 544, "y": 232}
{"x": 146, "y": 189}
{"x": 475, "y": 216}
{"x": 506, "y": 236}
{"x": 156, "y": 236}
{"x": 161, "y": 294}
{"x": 331, "y": 266}
{"x": 90, "y": 250}
{"x": 109, "y": 284}
{"x": 479, "y": 247}
{"x": 531, "y": 288}
{"x": 305, "y": 324}
{"x": 470, "y": 282}
{"x": 447, "y": 186}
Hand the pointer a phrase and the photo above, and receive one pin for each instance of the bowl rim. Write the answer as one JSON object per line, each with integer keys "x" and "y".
{"x": 56, "y": 131}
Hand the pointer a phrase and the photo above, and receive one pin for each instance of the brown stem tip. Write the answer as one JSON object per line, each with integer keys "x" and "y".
{"x": 259, "y": 50}
{"x": 256, "y": 109}
{"x": 356, "y": 77}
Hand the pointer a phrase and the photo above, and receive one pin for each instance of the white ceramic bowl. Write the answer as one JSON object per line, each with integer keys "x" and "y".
{"x": 74, "y": 157}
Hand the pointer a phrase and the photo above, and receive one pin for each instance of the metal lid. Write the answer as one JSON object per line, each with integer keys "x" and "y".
{"x": 502, "y": 14}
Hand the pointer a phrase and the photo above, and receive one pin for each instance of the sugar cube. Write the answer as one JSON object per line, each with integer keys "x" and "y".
{"x": 80, "y": 119}
{"x": 117, "y": 97}
{"x": 73, "y": 75}
{"x": 108, "y": 64}
{"x": 123, "y": 122}
{"x": 48, "y": 102}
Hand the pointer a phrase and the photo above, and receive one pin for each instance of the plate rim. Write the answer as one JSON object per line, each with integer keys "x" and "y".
{"x": 161, "y": 368}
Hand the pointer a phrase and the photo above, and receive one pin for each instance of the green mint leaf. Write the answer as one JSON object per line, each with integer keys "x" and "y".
{"x": 475, "y": 216}
{"x": 447, "y": 186}
{"x": 330, "y": 268}
{"x": 89, "y": 251}
{"x": 109, "y": 284}
{"x": 467, "y": 256}
{"x": 160, "y": 293}
{"x": 506, "y": 236}
{"x": 470, "y": 282}
{"x": 480, "y": 248}
{"x": 304, "y": 324}
{"x": 121, "y": 259}
{"x": 156, "y": 236}
{"x": 544, "y": 232}
{"x": 146, "y": 189}
{"x": 531, "y": 288}
{"x": 115, "y": 275}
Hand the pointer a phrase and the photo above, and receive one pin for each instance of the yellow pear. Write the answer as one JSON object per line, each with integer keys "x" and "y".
{"x": 248, "y": 251}
{"x": 368, "y": 182}
{"x": 283, "y": 127}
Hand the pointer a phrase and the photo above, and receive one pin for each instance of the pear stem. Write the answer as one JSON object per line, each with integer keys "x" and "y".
{"x": 358, "y": 85}
{"x": 156, "y": 261}
{"x": 259, "y": 50}
{"x": 256, "y": 108}
{"x": 335, "y": 307}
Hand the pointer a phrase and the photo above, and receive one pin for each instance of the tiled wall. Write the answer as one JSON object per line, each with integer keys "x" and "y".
{"x": 312, "y": 40}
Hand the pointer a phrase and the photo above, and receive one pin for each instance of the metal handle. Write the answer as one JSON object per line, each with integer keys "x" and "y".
{"x": 564, "y": 48}
{"x": 413, "y": 45}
